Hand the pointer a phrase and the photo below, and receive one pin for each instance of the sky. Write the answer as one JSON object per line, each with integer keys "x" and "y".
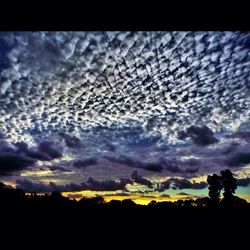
{"x": 138, "y": 115}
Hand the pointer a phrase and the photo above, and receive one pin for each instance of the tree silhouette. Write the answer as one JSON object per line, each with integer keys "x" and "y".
{"x": 229, "y": 183}
{"x": 214, "y": 188}
{"x": 229, "y": 187}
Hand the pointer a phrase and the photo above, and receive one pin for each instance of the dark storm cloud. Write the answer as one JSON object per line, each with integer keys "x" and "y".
{"x": 13, "y": 159}
{"x": 141, "y": 192}
{"x": 18, "y": 156}
{"x": 151, "y": 166}
{"x": 173, "y": 168}
{"x": 34, "y": 153}
{"x": 75, "y": 196}
{"x": 164, "y": 185}
{"x": 230, "y": 149}
{"x": 116, "y": 194}
{"x": 85, "y": 162}
{"x": 110, "y": 146}
{"x": 187, "y": 184}
{"x": 201, "y": 136}
{"x": 21, "y": 147}
{"x": 49, "y": 148}
{"x": 149, "y": 196}
{"x": 245, "y": 135}
{"x": 29, "y": 186}
{"x": 140, "y": 180}
{"x": 91, "y": 184}
{"x": 45, "y": 151}
{"x": 10, "y": 163}
{"x": 178, "y": 166}
{"x": 165, "y": 196}
{"x": 177, "y": 183}
{"x": 71, "y": 141}
{"x": 55, "y": 168}
{"x": 189, "y": 196}
{"x": 243, "y": 182}
{"x": 183, "y": 193}
{"x": 108, "y": 185}
{"x": 192, "y": 170}
{"x": 191, "y": 162}
{"x": 134, "y": 163}
{"x": 2, "y": 136}
{"x": 238, "y": 159}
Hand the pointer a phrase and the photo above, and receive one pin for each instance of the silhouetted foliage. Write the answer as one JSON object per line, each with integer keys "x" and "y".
{"x": 214, "y": 188}
{"x": 55, "y": 201}
{"x": 228, "y": 184}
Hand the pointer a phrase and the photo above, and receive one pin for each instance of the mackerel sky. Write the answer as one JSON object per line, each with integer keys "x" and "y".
{"x": 146, "y": 115}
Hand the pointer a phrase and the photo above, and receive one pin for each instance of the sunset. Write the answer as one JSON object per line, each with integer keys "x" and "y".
{"x": 141, "y": 116}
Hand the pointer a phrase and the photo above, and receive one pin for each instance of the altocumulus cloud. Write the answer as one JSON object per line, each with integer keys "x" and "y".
{"x": 74, "y": 80}
{"x": 123, "y": 97}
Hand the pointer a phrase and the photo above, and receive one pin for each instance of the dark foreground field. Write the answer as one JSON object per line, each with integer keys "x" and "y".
{"x": 126, "y": 227}
{"x": 108, "y": 214}
{"x": 52, "y": 214}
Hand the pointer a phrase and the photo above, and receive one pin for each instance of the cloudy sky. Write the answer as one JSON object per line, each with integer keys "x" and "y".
{"x": 141, "y": 115}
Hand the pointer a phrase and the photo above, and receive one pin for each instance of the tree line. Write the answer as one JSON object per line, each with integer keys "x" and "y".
{"x": 225, "y": 182}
